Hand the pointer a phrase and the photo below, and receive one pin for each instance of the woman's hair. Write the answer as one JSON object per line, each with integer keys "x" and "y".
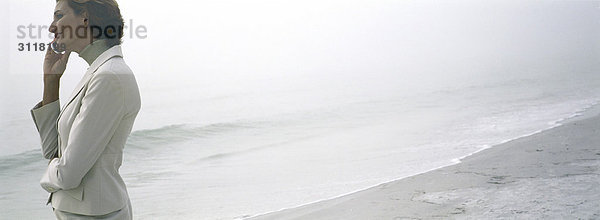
{"x": 104, "y": 18}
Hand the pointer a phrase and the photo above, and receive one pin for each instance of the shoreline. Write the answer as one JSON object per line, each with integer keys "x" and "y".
{"x": 318, "y": 208}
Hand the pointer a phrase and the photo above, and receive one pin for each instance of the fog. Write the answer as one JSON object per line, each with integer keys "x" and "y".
{"x": 200, "y": 38}
{"x": 228, "y": 44}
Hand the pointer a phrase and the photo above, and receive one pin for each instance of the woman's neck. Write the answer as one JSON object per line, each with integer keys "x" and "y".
{"x": 93, "y": 50}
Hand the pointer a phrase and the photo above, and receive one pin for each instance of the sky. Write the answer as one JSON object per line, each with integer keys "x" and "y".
{"x": 268, "y": 37}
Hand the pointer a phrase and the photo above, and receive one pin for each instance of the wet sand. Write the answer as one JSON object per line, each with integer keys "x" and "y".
{"x": 549, "y": 175}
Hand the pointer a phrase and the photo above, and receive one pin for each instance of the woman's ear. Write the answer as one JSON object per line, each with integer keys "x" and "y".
{"x": 85, "y": 18}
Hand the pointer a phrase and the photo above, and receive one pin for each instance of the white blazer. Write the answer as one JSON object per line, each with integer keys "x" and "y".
{"x": 89, "y": 135}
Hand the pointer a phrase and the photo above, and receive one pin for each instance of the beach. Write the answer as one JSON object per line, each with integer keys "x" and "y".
{"x": 552, "y": 174}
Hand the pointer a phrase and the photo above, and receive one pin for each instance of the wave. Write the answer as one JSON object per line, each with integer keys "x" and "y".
{"x": 145, "y": 139}
{"x": 177, "y": 133}
{"x": 24, "y": 161}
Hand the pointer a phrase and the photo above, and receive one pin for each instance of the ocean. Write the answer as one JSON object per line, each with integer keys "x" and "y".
{"x": 230, "y": 144}
{"x": 282, "y": 147}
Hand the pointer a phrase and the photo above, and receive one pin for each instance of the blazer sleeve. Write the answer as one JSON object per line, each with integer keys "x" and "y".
{"x": 44, "y": 118}
{"x": 101, "y": 111}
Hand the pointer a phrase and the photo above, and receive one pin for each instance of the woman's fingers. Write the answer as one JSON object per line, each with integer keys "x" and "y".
{"x": 51, "y": 55}
{"x": 64, "y": 58}
{"x": 55, "y": 64}
{"x": 48, "y": 51}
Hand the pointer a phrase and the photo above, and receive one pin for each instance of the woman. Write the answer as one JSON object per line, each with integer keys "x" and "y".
{"x": 84, "y": 141}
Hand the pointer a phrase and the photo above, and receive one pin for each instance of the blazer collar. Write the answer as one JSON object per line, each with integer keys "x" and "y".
{"x": 105, "y": 56}
{"x": 114, "y": 51}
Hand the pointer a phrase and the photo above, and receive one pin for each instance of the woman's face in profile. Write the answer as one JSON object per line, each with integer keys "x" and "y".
{"x": 68, "y": 28}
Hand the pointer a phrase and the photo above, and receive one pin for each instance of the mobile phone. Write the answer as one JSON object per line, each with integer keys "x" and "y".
{"x": 57, "y": 48}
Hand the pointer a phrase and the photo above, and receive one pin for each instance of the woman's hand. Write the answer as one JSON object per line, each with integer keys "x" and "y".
{"x": 55, "y": 65}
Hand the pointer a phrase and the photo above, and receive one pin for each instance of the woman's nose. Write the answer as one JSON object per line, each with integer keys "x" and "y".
{"x": 52, "y": 28}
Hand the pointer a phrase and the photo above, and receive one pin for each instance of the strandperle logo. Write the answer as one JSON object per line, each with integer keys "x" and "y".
{"x": 37, "y": 37}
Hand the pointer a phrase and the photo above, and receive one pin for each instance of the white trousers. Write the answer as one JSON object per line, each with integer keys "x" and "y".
{"x": 122, "y": 214}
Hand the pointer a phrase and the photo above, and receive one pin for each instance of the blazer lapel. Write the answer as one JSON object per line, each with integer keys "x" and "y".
{"x": 76, "y": 92}
{"x": 114, "y": 51}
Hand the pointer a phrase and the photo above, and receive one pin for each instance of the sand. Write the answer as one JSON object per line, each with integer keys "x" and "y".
{"x": 549, "y": 175}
